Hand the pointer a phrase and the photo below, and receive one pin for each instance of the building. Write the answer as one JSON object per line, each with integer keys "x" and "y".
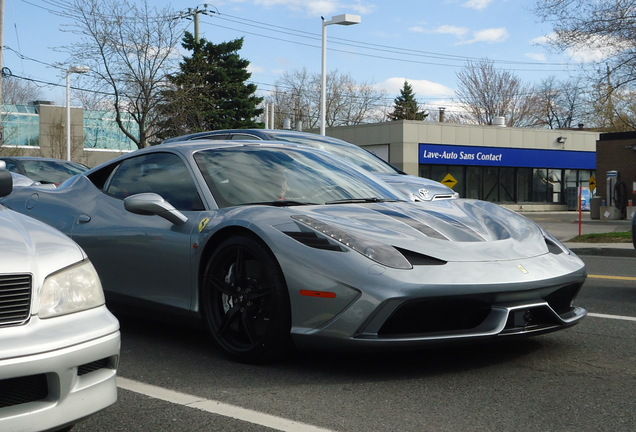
{"x": 520, "y": 167}
{"x": 40, "y": 130}
{"x": 616, "y": 167}
{"x": 515, "y": 166}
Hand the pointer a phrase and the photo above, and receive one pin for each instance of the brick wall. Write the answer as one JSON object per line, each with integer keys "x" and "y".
{"x": 614, "y": 152}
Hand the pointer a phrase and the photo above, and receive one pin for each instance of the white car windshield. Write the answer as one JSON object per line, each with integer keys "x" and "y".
{"x": 349, "y": 152}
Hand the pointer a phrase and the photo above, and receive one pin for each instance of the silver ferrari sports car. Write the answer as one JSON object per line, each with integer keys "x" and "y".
{"x": 276, "y": 246}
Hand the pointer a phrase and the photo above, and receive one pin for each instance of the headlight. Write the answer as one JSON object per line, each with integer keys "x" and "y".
{"x": 71, "y": 290}
{"x": 381, "y": 253}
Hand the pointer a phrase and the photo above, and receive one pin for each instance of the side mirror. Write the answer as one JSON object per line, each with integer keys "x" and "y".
{"x": 150, "y": 204}
{"x": 6, "y": 182}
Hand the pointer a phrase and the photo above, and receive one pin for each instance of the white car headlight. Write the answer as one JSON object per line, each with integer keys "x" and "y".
{"x": 71, "y": 290}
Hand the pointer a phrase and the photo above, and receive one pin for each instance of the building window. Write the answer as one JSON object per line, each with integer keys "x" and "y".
{"x": 102, "y": 132}
{"x": 473, "y": 182}
{"x": 21, "y": 125}
{"x": 509, "y": 184}
{"x": 524, "y": 184}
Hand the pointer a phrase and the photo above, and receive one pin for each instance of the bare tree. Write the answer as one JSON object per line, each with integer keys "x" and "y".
{"x": 607, "y": 28}
{"x": 18, "y": 91}
{"x": 297, "y": 95}
{"x": 560, "y": 104}
{"x": 130, "y": 48}
{"x": 487, "y": 93}
{"x": 57, "y": 144}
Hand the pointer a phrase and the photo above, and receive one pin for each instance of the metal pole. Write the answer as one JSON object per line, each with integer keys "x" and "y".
{"x": 1, "y": 47}
{"x": 273, "y": 117}
{"x": 196, "y": 25}
{"x": 323, "y": 78}
{"x": 68, "y": 115}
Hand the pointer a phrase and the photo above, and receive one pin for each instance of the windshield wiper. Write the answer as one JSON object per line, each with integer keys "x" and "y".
{"x": 359, "y": 200}
{"x": 282, "y": 203}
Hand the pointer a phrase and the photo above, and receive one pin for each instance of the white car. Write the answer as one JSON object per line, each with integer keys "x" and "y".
{"x": 59, "y": 344}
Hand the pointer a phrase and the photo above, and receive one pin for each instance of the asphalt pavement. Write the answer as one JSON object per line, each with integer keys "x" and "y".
{"x": 566, "y": 225}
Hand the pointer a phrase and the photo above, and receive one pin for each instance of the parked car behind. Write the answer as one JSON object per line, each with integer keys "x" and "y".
{"x": 414, "y": 187}
{"x": 43, "y": 170}
{"x": 59, "y": 345}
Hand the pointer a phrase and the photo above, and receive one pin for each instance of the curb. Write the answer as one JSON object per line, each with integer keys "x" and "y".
{"x": 604, "y": 251}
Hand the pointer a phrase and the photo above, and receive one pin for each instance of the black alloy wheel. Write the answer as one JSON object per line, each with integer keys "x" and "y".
{"x": 245, "y": 301}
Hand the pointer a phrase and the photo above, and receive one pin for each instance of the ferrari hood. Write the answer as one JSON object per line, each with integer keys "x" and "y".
{"x": 449, "y": 230}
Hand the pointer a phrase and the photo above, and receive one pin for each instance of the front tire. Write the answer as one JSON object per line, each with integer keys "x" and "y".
{"x": 245, "y": 301}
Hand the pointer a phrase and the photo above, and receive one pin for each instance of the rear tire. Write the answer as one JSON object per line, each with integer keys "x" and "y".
{"x": 245, "y": 301}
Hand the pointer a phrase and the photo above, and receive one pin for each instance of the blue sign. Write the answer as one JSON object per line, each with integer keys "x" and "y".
{"x": 439, "y": 154}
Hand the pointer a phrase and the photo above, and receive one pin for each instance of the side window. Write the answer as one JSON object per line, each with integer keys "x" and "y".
{"x": 244, "y": 137}
{"x": 212, "y": 137}
{"x": 162, "y": 173}
{"x": 12, "y": 166}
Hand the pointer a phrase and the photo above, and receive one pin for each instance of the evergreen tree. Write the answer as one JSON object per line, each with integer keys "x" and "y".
{"x": 405, "y": 106}
{"x": 210, "y": 90}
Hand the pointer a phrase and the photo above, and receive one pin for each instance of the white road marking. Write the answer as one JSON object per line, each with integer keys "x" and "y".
{"x": 216, "y": 407}
{"x": 616, "y": 317}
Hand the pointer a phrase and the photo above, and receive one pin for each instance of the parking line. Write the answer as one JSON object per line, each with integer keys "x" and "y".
{"x": 616, "y": 317}
{"x": 629, "y": 278}
{"x": 217, "y": 407}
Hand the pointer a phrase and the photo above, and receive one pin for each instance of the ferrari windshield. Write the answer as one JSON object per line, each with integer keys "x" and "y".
{"x": 349, "y": 152}
{"x": 284, "y": 176}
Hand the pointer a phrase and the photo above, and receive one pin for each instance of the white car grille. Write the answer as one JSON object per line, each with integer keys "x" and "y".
{"x": 15, "y": 299}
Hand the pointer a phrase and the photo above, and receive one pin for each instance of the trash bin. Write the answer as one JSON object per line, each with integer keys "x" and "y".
{"x": 595, "y": 207}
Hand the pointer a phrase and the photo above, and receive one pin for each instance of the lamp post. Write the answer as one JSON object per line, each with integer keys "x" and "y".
{"x": 69, "y": 71}
{"x": 345, "y": 19}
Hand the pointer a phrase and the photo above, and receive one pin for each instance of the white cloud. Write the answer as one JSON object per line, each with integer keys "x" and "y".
{"x": 421, "y": 88}
{"x": 540, "y": 57}
{"x": 597, "y": 48}
{"x": 251, "y": 68}
{"x": 320, "y": 7}
{"x": 417, "y": 29}
{"x": 460, "y": 32}
{"x": 587, "y": 54}
{"x": 491, "y": 35}
{"x": 477, "y": 4}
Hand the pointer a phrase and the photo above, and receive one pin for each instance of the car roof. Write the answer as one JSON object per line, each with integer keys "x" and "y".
{"x": 189, "y": 147}
{"x": 265, "y": 134}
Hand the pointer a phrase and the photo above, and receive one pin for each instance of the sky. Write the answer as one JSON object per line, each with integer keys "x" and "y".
{"x": 425, "y": 42}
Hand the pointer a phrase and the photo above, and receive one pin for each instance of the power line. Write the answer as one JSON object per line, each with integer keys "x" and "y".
{"x": 372, "y": 46}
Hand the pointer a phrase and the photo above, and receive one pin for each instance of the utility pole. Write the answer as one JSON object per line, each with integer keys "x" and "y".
{"x": 610, "y": 100}
{"x": 193, "y": 14}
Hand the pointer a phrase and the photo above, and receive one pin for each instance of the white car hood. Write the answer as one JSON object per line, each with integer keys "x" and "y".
{"x": 29, "y": 246}
{"x": 419, "y": 188}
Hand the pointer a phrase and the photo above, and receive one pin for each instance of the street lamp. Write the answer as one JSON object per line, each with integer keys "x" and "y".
{"x": 69, "y": 71}
{"x": 345, "y": 19}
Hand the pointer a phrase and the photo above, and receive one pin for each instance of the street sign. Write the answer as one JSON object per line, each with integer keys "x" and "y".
{"x": 449, "y": 181}
{"x": 592, "y": 184}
